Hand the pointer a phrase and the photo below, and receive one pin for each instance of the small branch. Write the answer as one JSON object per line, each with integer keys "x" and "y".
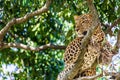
{"x": 28, "y": 47}
{"x": 13, "y": 35}
{"x": 105, "y": 25}
{"x": 23, "y": 19}
{"x": 117, "y": 21}
{"x": 109, "y": 27}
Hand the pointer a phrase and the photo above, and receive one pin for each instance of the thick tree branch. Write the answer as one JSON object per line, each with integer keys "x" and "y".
{"x": 85, "y": 41}
{"x": 28, "y": 47}
{"x": 23, "y": 19}
{"x": 90, "y": 77}
{"x": 116, "y": 74}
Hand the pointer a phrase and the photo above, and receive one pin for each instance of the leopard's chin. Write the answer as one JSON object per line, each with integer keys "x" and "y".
{"x": 80, "y": 35}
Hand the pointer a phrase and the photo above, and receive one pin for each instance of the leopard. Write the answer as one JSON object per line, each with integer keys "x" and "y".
{"x": 82, "y": 25}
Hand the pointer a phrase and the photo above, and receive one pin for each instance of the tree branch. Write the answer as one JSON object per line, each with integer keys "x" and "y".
{"x": 109, "y": 27}
{"x": 28, "y": 47}
{"x": 117, "y": 21}
{"x": 117, "y": 45}
{"x": 116, "y": 74}
{"x": 23, "y": 19}
{"x": 90, "y": 77}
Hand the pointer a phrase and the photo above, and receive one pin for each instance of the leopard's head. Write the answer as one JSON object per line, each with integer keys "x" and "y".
{"x": 82, "y": 24}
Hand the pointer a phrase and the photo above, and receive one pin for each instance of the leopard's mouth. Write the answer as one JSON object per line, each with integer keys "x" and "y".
{"x": 80, "y": 35}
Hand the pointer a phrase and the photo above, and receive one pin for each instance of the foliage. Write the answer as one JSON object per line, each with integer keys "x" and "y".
{"x": 56, "y": 26}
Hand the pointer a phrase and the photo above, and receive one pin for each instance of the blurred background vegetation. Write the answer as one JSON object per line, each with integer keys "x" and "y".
{"x": 56, "y": 27}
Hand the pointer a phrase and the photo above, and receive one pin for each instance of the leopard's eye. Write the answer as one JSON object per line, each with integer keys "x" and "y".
{"x": 84, "y": 33}
{"x": 76, "y": 29}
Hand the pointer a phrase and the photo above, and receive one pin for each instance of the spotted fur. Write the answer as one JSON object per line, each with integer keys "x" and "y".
{"x": 94, "y": 48}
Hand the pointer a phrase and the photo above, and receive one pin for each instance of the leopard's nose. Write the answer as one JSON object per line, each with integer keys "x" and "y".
{"x": 84, "y": 33}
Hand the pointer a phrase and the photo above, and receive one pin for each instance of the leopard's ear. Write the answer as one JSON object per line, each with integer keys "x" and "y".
{"x": 90, "y": 16}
